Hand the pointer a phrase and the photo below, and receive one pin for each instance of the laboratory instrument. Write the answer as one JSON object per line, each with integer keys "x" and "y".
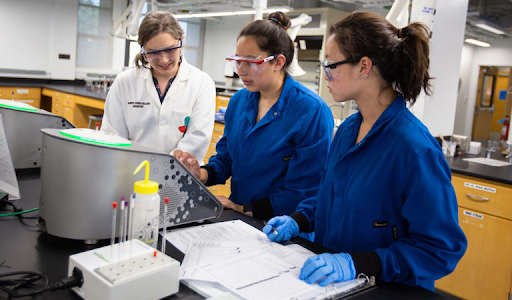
{"x": 141, "y": 273}
{"x": 23, "y": 123}
{"x": 84, "y": 170}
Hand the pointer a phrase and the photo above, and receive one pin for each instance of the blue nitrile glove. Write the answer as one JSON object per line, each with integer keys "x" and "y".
{"x": 285, "y": 226}
{"x": 328, "y": 268}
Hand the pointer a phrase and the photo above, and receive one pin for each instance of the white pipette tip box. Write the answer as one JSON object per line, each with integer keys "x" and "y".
{"x": 134, "y": 272}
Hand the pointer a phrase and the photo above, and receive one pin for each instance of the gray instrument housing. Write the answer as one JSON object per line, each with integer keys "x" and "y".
{"x": 22, "y": 131}
{"x": 80, "y": 180}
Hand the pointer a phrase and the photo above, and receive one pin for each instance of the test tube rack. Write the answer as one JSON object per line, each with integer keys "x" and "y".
{"x": 128, "y": 270}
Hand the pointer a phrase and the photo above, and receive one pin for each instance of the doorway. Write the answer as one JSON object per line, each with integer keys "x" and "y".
{"x": 493, "y": 102}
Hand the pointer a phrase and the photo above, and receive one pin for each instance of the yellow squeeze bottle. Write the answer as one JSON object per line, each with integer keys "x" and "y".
{"x": 146, "y": 211}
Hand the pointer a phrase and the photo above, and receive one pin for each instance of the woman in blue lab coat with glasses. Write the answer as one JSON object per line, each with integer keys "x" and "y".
{"x": 164, "y": 103}
{"x": 277, "y": 132}
{"x": 386, "y": 205}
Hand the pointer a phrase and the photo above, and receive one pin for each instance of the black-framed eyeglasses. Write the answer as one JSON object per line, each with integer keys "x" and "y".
{"x": 329, "y": 67}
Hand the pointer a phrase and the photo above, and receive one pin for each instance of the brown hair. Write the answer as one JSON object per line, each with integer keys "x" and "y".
{"x": 401, "y": 55}
{"x": 271, "y": 35}
{"x": 154, "y": 23}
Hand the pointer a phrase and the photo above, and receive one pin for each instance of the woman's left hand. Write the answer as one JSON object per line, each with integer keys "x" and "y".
{"x": 228, "y": 204}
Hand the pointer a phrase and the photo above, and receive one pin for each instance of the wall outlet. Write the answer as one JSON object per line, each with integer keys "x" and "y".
{"x": 130, "y": 270}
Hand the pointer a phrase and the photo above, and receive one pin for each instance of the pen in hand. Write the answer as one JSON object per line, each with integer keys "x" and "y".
{"x": 273, "y": 229}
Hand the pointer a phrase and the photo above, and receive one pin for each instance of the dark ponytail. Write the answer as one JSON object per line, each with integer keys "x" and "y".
{"x": 413, "y": 54}
{"x": 271, "y": 35}
{"x": 401, "y": 55}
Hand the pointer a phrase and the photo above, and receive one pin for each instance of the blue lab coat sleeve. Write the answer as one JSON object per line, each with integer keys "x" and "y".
{"x": 434, "y": 242}
{"x": 306, "y": 165}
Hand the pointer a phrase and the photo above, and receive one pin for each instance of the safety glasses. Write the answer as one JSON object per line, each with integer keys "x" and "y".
{"x": 156, "y": 54}
{"x": 249, "y": 64}
{"x": 331, "y": 67}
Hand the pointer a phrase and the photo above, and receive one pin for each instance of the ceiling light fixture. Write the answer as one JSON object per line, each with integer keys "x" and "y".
{"x": 489, "y": 28}
{"x": 229, "y": 13}
{"x": 477, "y": 42}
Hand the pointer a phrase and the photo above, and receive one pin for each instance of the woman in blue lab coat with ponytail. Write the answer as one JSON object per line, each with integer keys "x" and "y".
{"x": 277, "y": 132}
{"x": 386, "y": 205}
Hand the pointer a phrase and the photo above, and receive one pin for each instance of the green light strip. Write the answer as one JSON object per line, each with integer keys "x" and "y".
{"x": 93, "y": 140}
{"x": 18, "y": 108}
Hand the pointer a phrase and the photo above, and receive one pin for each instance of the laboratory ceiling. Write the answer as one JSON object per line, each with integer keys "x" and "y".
{"x": 496, "y": 13}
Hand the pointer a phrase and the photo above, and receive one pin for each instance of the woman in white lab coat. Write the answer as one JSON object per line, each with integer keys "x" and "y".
{"x": 164, "y": 103}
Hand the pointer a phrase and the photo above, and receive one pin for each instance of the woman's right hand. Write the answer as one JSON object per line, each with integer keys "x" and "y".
{"x": 189, "y": 161}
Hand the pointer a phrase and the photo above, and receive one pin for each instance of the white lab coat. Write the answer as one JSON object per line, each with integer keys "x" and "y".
{"x": 133, "y": 110}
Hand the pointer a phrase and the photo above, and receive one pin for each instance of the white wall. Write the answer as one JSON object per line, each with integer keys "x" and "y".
{"x": 219, "y": 42}
{"x": 34, "y": 32}
{"x": 437, "y": 111}
{"x": 40, "y": 30}
{"x": 499, "y": 55}
{"x": 463, "y": 103}
{"x": 63, "y": 39}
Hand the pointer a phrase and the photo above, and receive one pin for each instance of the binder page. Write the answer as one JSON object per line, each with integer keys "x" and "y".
{"x": 236, "y": 230}
{"x": 272, "y": 273}
{"x": 236, "y": 257}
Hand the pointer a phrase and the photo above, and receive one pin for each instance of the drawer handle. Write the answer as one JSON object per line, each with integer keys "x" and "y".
{"x": 477, "y": 197}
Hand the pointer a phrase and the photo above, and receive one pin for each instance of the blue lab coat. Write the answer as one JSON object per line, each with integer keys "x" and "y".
{"x": 278, "y": 161}
{"x": 389, "y": 196}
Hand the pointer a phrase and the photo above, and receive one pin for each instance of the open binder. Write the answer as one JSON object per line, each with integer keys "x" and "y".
{"x": 345, "y": 289}
{"x": 339, "y": 290}
{"x": 235, "y": 259}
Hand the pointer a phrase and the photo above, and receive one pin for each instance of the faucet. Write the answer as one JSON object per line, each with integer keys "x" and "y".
{"x": 490, "y": 149}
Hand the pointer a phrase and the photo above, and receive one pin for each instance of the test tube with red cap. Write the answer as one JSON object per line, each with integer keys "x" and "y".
{"x": 97, "y": 125}
{"x": 113, "y": 238}
{"x": 164, "y": 240}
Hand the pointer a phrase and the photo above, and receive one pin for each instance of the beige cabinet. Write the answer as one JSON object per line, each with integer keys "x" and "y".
{"x": 63, "y": 104}
{"x": 221, "y": 189}
{"x": 29, "y": 95}
{"x": 218, "y": 131}
{"x": 485, "y": 216}
{"x": 76, "y": 109}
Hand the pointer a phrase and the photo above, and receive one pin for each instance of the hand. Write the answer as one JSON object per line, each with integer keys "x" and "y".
{"x": 328, "y": 268}
{"x": 285, "y": 226}
{"x": 228, "y": 204}
{"x": 189, "y": 161}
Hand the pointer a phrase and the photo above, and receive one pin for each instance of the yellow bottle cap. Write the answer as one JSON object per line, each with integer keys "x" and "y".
{"x": 145, "y": 186}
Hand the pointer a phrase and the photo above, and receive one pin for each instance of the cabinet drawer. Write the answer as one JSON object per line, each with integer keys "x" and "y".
{"x": 20, "y": 93}
{"x": 68, "y": 113}
{"x": 49, "y": 93}
{"x": 56, "y": 108}
{"x": 31, "y": 96}
{"x": 486, "y": 196}
{"x": 221, "y": 102}
{"x": 220, "y": 190}
{"x": 63, "y": 98}
{"x": 218, "y": 127}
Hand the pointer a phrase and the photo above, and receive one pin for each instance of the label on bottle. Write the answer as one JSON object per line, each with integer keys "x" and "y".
{"x": 145, "y": 219}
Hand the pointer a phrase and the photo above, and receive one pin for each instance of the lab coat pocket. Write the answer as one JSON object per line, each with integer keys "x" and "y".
{"x": 179, "y": 125}
{"x": 377, "y": 230}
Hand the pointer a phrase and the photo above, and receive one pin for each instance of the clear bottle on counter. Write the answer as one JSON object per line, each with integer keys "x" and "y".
{"x": 147, "y": 208}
